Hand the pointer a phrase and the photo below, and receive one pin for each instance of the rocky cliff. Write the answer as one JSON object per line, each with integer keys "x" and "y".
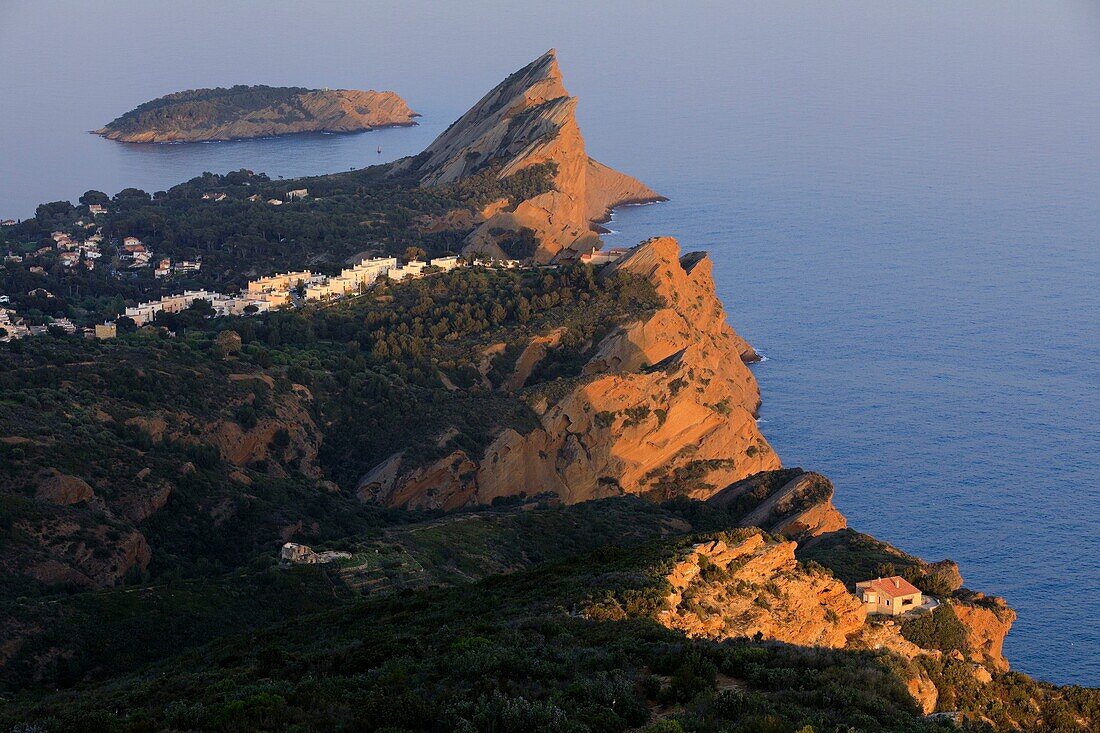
{"x": 241, "y": 112}
{"x": 527, "y": 120}
{"x": 665, "y": 407}
{"x": 745, "y": 585}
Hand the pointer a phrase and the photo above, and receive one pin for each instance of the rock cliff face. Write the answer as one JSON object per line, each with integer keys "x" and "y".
{"x": 666, "y": 407}
{"x": 756, "y": 588}
{"x": 987, "y": 620}
{"x": 202, "y": 115}
{"x": 529, "y": 119}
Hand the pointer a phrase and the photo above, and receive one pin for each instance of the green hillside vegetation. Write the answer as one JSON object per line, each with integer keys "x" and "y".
{"x": 327, "y": 393}
{"x": 516, "y": 652}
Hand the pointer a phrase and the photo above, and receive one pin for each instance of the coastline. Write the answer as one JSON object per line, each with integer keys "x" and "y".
{"x": 117, "y": 137}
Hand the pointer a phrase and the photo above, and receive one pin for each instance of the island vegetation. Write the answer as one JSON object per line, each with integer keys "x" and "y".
{"x": 201, "y": 115}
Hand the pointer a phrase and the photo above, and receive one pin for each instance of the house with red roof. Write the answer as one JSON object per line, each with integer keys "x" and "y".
{"x": 891, "y": 596}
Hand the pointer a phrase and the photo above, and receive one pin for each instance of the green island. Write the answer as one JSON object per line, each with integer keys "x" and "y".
{"x": 241, "y": 112}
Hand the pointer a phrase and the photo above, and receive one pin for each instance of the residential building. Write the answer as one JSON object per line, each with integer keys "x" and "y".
{"x": 445, "y": 263}
{"x": 164, "y": 268}
{"x": 891, "y": 596}
{"x": 603, "y": 256}
{"x": 298, "y": 193}
{"x": 95, "y": 209}
{"x": 408, "y": 270}
{"x": 107, "y": 330}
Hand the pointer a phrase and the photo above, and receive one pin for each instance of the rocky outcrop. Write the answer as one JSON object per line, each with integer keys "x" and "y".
{"x": 203, "y": 115}
{"x": 264, "y": 442}
{"x": 533, "y": 353}
{"x": 987, "y": 620}
{"x": 58, "y": 488}
{"x": 95, "y": 557}
{"x": 527, "y": 120}
{"x": 666, "y": 408}
{"x": 800, "y": 508}
{"x": 756, "y": 589}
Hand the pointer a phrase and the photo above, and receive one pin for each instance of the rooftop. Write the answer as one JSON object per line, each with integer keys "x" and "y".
{"x": 892, "y": 586}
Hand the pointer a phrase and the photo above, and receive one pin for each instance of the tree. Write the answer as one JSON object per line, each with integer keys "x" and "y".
{"x": 95, "y": 197}
{"x": 414, "y": 253}
{"x": 202, "y": 307}
{"x": 228, "y": 343}
{"x": 47, "y": 213}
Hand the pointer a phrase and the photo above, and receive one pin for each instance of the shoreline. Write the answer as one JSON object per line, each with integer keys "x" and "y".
{"x": 116, "y": 137}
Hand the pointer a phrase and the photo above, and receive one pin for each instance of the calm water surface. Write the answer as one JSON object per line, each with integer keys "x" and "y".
{"x": 900, "y": 198}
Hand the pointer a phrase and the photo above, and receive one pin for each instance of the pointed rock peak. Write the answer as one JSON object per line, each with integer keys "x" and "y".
{"x": 529, "y": 120}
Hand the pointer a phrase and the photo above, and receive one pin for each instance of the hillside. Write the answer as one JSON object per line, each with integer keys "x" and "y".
{"x": 602, "y": 636}
{"x": 240, "y": 112}
{"x": 549, "y": 501}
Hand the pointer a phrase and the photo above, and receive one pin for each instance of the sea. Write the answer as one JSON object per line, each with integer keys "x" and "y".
{"x": 902, "y": 201}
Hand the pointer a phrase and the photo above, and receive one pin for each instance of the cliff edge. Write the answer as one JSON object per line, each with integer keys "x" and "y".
{"x": 665, "y": 407}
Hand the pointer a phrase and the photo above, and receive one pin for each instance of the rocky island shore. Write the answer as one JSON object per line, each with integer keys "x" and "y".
{"x": 243, "y": 112}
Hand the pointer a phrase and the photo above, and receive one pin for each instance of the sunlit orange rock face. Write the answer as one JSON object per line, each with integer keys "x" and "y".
{"x": 526, "y": 120}
{"x": 667, "y": 407}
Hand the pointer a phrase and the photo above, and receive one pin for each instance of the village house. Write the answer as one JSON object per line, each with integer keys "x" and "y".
{"x": 187, "y": 266}
{"x": 298, "y": 193}
{"x": 445, "y": 263}
{"x": 164, "y": 268}
{"x": 95, "y": 209}
{"x": 891, "y": 596}
{"x": 210, "y": 196}
{"x": 8, "y": 223}
{"x": 603, "y": 256}
{"x": 106, "y": 330}
{"x": 275, "y": 202}
{"x": 64, "y": 324}
{"x": 409, "y": 270}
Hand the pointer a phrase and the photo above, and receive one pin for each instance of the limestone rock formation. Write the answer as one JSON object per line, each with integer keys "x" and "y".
{"x": 667, "y": 408}
{"x": 58, "y": 488}
{"x": 800, "y": 508}
{"x": 987, "y": 620}
{"x": 240, "y": 112}
{"x": 756, "y": 589}
{"x": 526, "y": 120}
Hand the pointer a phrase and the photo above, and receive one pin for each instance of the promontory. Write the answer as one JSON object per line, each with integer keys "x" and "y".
{"x": 241, "y": 112}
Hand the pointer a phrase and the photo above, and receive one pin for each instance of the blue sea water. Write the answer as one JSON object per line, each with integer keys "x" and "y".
{"x": 900, "y": 199}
